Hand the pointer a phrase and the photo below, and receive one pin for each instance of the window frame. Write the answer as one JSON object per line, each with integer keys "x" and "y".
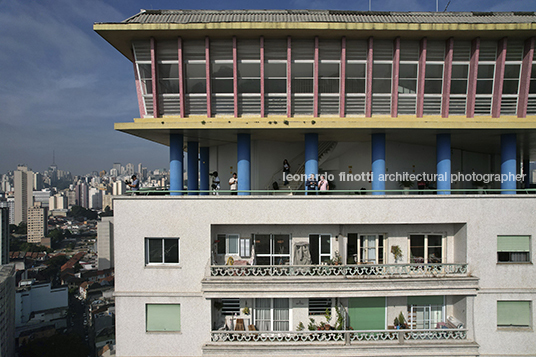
{"x": 321, "y": 255}
{"x": 380, "y": 249}
{"x": 272, "y": 319}
{"x": 160, "y": 331}
{"x": 274, "y": 256}
{"x": 163, "y": 262}
{"x": 426, "y": 247}
{"x": 509, "y": 252}
{"x": 528, "y": 314}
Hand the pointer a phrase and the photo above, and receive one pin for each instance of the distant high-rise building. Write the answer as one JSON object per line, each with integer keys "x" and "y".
{"x": 71, "y": 198}
{"x": 114, "y": 172}
{"x": 58, "y": 201}
{"x": 4, "y": 236}
{"x": 11, "y": 206}
{"x": 129, "y": 169}
{"x": 82, "y": 195}
{"x": 105, "y": 243}
{"x": 23, "y": 180}
{"x": 140, "y": 170}
{"x": 37, "y": 223}
{"x": 119, "y": 188}
{"x": 42, "y": 196}
{"x": 7, "y": 310}
{"x": 117, "y": 167}
{"x": 37, "y": 181}
{"x": 95, "y": 198}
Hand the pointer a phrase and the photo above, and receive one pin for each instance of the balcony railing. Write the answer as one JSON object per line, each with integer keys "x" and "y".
{"x": 348, "y": 271}
{"x": 343, "y": 337}
{"x": 164, "y": 191}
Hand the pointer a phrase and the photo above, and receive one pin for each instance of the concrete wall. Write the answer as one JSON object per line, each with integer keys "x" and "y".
{"x": 478, "y": 220}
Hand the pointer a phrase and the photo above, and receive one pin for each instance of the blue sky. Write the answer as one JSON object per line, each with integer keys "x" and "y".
{"x": 62, "y": 87}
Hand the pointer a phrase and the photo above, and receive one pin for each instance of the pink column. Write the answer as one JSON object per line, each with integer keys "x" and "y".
{"x": 262, "y": 77}
{"x": 499, "y": 79}
{"x": 235, "y": 78}
{"x": 315, "y": 80}
{"x": 154, "y": 79}
{"x": 526, "y": 72}
{"x": 420, "y": 79}
{"x": 181, "y": 78}
{"x": 447, "y": 76}
{"x": 207, "y": 74}
{"x": 141, "y": 105}
{"x": 396, "y": 75}
{"x": 289, "y": 78}
{"x": 473, "y": 72}
{"x": 342, "y": 95}
{"x": 368, "y": 90}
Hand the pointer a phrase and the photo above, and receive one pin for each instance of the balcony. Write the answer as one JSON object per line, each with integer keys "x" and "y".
{"x": 372, "y": 271}
{"x": 345, "y": 280}
{"x": 338, "y": 336}
{"x": 431, "y": 342}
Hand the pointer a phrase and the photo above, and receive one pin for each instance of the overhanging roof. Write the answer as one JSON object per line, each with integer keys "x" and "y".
{"x": 168, "y": 24}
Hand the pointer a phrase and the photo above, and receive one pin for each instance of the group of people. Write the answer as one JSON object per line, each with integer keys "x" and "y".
{"x": 233, "y": 183}
{"x": 321, "y": 185}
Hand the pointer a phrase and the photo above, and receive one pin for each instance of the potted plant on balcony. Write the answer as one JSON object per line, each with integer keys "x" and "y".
{"x": 406, "y": 185}
{"x": 397, "y": 252}
{"x": 400, "y": 321}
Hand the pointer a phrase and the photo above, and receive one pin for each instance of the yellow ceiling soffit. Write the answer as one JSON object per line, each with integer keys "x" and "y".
{"x": 283, "y": 123}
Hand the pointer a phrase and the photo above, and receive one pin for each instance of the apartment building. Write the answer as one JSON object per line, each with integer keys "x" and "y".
{"x": 441, "y": 103}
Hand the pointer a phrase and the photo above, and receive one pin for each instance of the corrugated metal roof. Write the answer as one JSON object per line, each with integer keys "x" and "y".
{"x": 215, "y": 16}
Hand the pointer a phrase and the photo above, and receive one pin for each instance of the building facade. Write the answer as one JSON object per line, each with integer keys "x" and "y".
{"x": 441, "y": 103}
{"x": 23, "y": 182}
{"x": 7, "y": 310}
{"x": 37, "y": 227}
{"x": 4, "y": 235}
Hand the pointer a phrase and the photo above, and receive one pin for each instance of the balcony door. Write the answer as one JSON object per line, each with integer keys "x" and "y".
{"x": 365, "y": 248}
{"x": 272, "y": 314}
{"x": 320, "y": 246}
{"x": 426, "y": 248}
{"x": 425, "y": 312}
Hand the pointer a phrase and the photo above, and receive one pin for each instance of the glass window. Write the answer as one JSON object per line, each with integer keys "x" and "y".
{"x": 355, "y": 77}
{"x": 232, "y": 243}
{"x": 381, "y": 78}
{"x": 163, "y": 317}
{"x": 272, "y": 249}
{"x": 162, "y": 250}
{"x": 458, "y": 83}
{"x": 426, "y": 248}
{"x": 513, "y": 313}
{"x": 425, "y": 312}
{"x": 511, "y": 78}
{"x": 272, "y": 314}
{"x": 320, "y": 246}
{"x": 328, "y": 77}
{"x": 513, "y": 249}
{"x": 245, "y": 247}
{"x": 366, "y": 248}
{"x": 408, "y": 78}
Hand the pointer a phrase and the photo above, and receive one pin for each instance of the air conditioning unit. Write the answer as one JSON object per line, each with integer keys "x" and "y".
{"x": 455, "y": 322}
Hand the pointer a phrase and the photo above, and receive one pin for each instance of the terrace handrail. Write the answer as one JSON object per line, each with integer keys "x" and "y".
{"x": 347, "y": 271}
{"x": 357, "y": 192}
{"x": 343, "y": 337}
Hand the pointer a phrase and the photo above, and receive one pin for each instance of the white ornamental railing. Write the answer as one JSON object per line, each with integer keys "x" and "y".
{"x": 342, "y": 337}
{"x": 366, "y": 270}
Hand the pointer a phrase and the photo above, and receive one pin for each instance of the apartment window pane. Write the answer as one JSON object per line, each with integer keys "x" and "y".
{"x": 513, "y": 249}
{"x": 511, "y": 79}
{"x": 171, "y": 250}
{"x": 155, "y": 251}
{"x": 513, "y": 313}
{"x": 162, "y": 250}
{"x": 232, "y": 244}
{"x": 355, "y": 77}
{"x": 381, "y": 82}
{"x": 262, "y": 244}
{"x": 417, "y": 248}
{"x": 163, "y": 317}
{"x": 245, "y": 247}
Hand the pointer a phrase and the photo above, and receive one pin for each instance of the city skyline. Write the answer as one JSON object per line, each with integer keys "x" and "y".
{"x": 63, "y": 87}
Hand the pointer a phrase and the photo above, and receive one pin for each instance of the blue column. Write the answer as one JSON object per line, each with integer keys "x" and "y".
{"x": 192, "y": 171}
{"x": 443, "y": 163}
{"x": 508, "y": 163}
{"x": 244, "y": 163}
{"x": 204, "y": 181}
{"x": 378, "y": 163}
{"x": 311, "y": 155}
{"x": 175, "y": 163}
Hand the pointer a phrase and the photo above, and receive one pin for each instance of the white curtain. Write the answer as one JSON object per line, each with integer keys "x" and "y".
{"x": 281, "y": 315}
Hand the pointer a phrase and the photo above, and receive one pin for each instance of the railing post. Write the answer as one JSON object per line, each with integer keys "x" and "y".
{"x": 347, "y": 338}
{"x": 400, "y": 337}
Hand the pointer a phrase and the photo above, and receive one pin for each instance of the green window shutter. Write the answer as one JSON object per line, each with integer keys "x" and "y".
{"x": 425, "y": 300}
{"x": 367, "y": 313}
{"x": 513, "y": 243}
{"x": 513, "y": 313}
{"x": 163, "y": 317}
